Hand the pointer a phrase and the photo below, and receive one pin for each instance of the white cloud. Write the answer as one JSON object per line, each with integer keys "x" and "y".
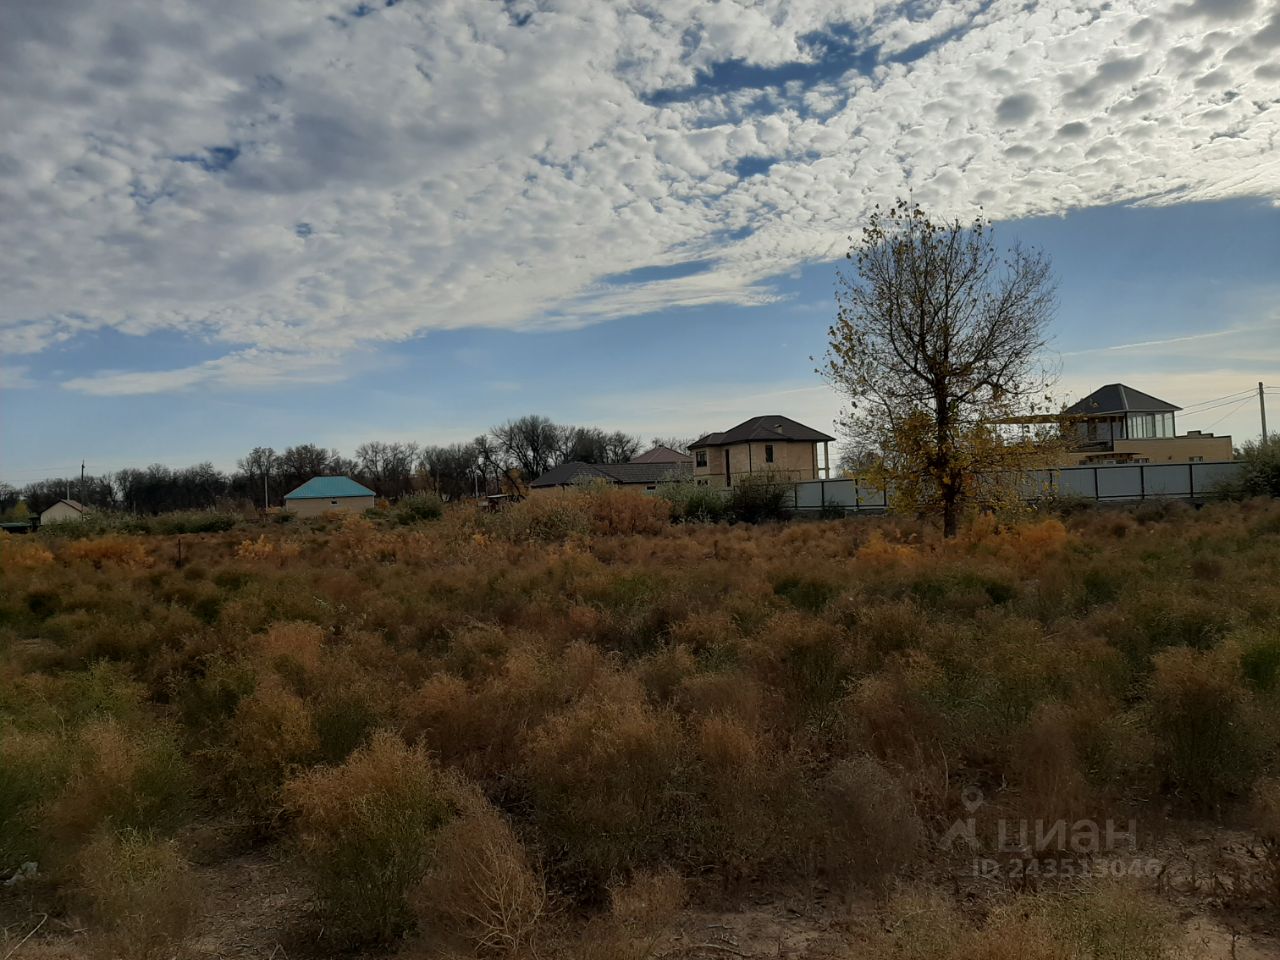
{"x": 291, "y": 181}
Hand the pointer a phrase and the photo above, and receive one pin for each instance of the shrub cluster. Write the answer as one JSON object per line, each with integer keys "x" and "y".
{"x": 477, "y": 727}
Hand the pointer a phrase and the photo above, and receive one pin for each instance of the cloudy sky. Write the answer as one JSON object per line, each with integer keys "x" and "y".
{"x": 247, "y": 222}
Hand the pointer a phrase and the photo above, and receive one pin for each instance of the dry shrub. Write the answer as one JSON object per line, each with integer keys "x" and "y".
{"x": 481, "y": 890}
{"x": 880, "y": 554}
{"x": 895, "y": 711}
{"x": 124, "y": 551}
{"x": 730, "y": 693}
{"x": 121, "y": 779}
{"x": 641, "y": 913}
{"x": 1197, "y": 703}
{"x": 272, "y": 733}
{"x": 604, "y": 780}
{"x": 22, "y": 552}
{"x": 142, "y": 896}
{"x": 1103, "y": 922}
{"x": 358, "y": 540}
{"x": 1046, "y": 764}
{"x": 664, "y": 670}
{"x": 889, "y": 627}
{"x": 293, "y": 646}
{"x": 265, "y": 548}
{"x": 365, "y": 830}
{"x": 481, "y": 727}
{"x": 614, "y": 511}
{"x": 751, "y": 800}
{"x": 550, "y": 516}
{"x": 809, "y": 662}
{"x": 1265, "y": 816}
{"x": 867, "y": 825}
{"x": 32, "y": 764}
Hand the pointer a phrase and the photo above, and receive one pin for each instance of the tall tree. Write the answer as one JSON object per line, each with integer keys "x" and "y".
{"x": 452, "y": 471}
{"x": 256, "y": 473}
{"x": 529, "y": 443}
{"x": 938, "y": 337}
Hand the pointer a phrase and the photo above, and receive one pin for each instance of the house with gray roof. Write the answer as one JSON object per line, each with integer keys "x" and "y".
{"x": 1118, "y": 424}
{"x": 772, "y": 444}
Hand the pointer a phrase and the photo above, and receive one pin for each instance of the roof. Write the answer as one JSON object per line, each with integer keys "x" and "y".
{"x": 1116, "y": 398}
{"x": 771, "y": 427}
{"x": 661, "y": 454}
{"x": 75, "y": 505}
{"x": 577, "y": 472}
{"x": 329, "y": 488}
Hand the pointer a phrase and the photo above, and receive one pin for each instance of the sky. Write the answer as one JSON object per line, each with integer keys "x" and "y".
{"x": 240, "y": 224}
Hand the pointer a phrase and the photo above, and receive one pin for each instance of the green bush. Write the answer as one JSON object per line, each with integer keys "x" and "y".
{"x": 691, "y": 503}
{"x": 760, "y": 496}
{"x": 1261, "y": 475}
{"x": 418, "y": 508}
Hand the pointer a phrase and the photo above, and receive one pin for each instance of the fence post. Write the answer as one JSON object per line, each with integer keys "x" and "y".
{"x": 1191, "y": 481}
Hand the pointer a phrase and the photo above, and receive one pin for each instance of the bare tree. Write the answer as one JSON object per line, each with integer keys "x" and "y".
{"x": 529, "y": 443}
{"x": 939, "y": 336}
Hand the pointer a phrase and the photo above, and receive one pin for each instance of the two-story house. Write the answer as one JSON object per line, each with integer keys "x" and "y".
{"x": 1118, "y": 424}
{"x": 774, "y": 445}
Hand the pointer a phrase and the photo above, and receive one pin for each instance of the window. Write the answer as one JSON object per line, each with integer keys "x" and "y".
{"x": 1196, "y": 459}
{"x": 768, "y": 453}
{"x": 700, "y": 458}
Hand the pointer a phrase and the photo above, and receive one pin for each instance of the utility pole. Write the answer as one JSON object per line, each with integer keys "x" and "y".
{"x": 82, "y": 467}
{"x": 1262, "y": 408}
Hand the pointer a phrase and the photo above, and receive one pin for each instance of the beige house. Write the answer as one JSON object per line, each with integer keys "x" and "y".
{"x": 774, "y": 445}
{"x": 63, "y": 511}
{"x": 329, "y": 495}
{"x": 1118, "y": 424}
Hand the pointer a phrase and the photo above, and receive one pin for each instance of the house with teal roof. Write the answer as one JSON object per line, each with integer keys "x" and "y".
{"x": 327, "y": 495}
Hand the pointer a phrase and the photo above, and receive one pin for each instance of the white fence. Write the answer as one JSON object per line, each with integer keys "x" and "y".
{"x": 1118, "y": 482}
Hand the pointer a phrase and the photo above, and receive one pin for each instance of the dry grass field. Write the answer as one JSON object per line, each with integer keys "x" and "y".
{"x": 575, "y": 729}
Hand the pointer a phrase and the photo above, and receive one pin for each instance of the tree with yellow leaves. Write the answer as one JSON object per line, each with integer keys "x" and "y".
{"x": 939, "y": 338}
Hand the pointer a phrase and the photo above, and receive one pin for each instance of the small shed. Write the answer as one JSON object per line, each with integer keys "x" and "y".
{"x": 327, "y": 495}
{"x": 63, "y": 511}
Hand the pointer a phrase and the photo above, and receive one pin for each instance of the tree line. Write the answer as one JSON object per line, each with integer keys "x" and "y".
{"x": 508, "y": 454}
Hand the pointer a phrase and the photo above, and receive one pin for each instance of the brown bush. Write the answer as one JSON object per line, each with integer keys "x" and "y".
{"x": 1046, "y": 764}
{"x": 641, "y": 913}
{"x": 605, "y": 781}
{"x": 866, "y": 825}
{"x": 142, "y": 896}
{"x": 365, "y": 830}
{"x": 123, "y": 551}
{"x": 1197, "y": 709}
{"x": 481, "y": 891}
{"x": 272, "y": 734}
{"x": 120, "y": 779}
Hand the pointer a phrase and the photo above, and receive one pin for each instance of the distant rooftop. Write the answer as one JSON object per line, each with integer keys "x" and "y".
{"x": 329, "y": 488}
{"x": 771, "y": 427}
{"x": 661, "y": 454}
{"x": 633, "y": 472}
{"x": 1115, "y": 399}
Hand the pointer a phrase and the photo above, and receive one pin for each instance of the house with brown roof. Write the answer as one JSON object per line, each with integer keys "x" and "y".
{"x": 661, "y": 454}
{"x": 773, "y": 444}
{"x": 1118, "y": 424}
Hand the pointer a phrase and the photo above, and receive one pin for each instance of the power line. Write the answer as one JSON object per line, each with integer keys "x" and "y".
{"x": 1229, "y": 413}
{"x": 1216, "y": 406}
{"x": 1228, "y": 397}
